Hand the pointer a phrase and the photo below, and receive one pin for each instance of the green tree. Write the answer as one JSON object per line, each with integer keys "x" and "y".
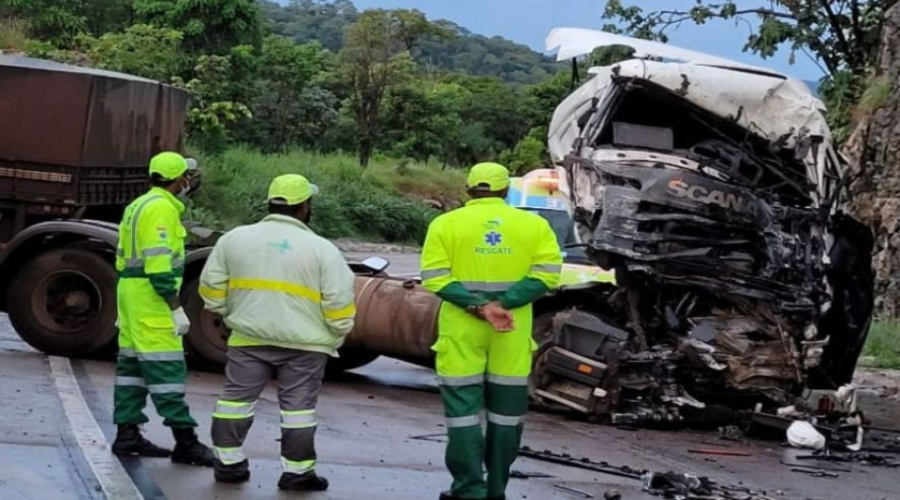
{"x": 494, "y": 118}
{"x": 843, "y": 35}
{"x": 212, "y": 112}
{"x": 58, "y": 22}
{"x": 209, "y": 27}
{"x": 422, "y": 120}
{"x": 141, "y": 50}
{"x": 374, "y": 60}
{"x": 103, "y": 16}
{"x": 287, "y": 108}
{"x": 530, "y": 153}
{"x": 541, "y": 101}
{"x": 305, "y": 21}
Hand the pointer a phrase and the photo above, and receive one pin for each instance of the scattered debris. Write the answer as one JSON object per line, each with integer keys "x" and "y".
{"x": 573, "y": 490}
{"x": 517, "y": 474}
{"x": 816, "y": 467}
{"x": 872, "y": 459}
{"x": 802, "y": 434}
{"x": 612, "y": 495}
{"x": 580, "y": 463}
{"x": 721, "y": 453}
{"x": 731, "y": 433}
{"x": 692, "y": 487}
{"x": 671, "y": 485}
{"x": 815, "y": 473}
{"x": 440, "y": 437}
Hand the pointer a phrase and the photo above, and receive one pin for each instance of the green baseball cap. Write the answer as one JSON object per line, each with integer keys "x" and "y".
{"x": 291, "y": 189}
{"x": 170, "y": 165}
{"x": 488, "y": 177}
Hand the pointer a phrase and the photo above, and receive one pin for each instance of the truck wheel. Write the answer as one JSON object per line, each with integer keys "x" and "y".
{"x": 544, "y": 335}
{"x": 208, "y": 338}
{"x": 63, "y": 302}
{"x": 350, "y": 359}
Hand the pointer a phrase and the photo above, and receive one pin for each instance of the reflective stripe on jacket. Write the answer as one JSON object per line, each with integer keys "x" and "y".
{"x": 487, "y": 251}
{"x": 278, "y": 283}
{"x": 151, "y": 242}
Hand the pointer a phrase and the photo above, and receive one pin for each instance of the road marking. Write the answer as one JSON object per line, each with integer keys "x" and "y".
{"x": 106, "y": 467}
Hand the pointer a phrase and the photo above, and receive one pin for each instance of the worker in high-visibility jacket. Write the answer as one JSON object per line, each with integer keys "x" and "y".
{"x": 287, "y": 296}
{"x": 488, "y": 262}
{"x": 151, "y": 321}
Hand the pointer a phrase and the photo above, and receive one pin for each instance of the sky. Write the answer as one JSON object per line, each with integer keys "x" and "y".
{"x": 529, "y": 22}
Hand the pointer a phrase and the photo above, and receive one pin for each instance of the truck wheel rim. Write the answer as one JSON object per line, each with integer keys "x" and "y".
{"x": 214, "y": 330}
{"x": 66, "y": 301}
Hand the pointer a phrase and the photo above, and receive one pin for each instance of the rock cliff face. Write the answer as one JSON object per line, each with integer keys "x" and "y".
{"x": 874, "y": 151}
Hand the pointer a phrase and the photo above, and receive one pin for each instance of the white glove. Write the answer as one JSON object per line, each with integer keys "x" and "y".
{"x": 182, "y": 323}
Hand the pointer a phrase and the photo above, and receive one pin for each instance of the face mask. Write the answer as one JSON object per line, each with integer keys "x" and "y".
{"x": 185, "y": 190}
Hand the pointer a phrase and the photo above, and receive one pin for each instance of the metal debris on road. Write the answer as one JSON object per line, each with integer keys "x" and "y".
{"x": 672, "y": 485}
{"x": 816, "y": 467}
{"x": 872, "y": 459}
{"x": 439, "y": 437}
{"x": 580, "y": 463}
{"x": 718, "y": 452}
{"x": 517, "y": 474}
{"x": 703, "y": 489}
{"x": 731, "y": 433}
{"x": 815, "y": 473}
{"x": 573, "y": 490}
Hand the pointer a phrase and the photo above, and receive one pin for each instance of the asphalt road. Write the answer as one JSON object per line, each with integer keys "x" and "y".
{"x": 380, "y": 437}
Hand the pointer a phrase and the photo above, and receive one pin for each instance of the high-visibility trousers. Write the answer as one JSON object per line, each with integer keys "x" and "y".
{"x": 247, "y": 372}
{"x": 151, "y": 358}
{"x": 480, "y": 368}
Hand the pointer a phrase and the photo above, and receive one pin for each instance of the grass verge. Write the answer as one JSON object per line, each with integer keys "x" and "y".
{"x": 381, "y": 203}
{"x": 882, "y": 348}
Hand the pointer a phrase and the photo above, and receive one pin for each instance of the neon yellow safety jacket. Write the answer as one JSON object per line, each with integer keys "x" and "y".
{"x": 278, "y": 283}
{"x": 150, "y": 252}
{"x": 490, "y": 251}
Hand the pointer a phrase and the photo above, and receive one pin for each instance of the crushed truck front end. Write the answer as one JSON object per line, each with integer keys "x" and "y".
{"x": 713, "y": 192}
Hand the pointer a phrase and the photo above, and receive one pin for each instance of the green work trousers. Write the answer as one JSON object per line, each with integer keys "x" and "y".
{"x": 481, "y": 369}
{"x": 151, "y": 358}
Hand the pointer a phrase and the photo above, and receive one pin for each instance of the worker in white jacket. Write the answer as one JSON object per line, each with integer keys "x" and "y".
{"x": 287, "y": 296}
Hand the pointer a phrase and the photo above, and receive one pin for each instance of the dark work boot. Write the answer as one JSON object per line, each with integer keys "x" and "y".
{"x": 130, "y": 443}
{"x": 189, "y": 450}
{"x": 234, "y": 473}
{"x": 447, "y": 495}
{"x": 302, "y": 482}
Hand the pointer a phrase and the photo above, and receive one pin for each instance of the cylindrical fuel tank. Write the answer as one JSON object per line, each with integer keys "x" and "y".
{"x": 395, "y": 318}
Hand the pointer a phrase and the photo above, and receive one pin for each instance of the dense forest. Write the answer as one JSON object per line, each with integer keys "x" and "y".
{"x": 463, "y": 52}
{"x": 313, "y": 74}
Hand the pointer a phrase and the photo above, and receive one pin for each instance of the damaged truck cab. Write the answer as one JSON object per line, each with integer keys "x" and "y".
{"x": 713, "y": 191}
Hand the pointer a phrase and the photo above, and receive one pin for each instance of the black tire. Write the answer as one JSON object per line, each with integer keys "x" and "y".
{"x": 208, "y": 339}
{"x": 545, "y": 337}
{"x": 63, "y": 302}
{"x": 350, "y": 359}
